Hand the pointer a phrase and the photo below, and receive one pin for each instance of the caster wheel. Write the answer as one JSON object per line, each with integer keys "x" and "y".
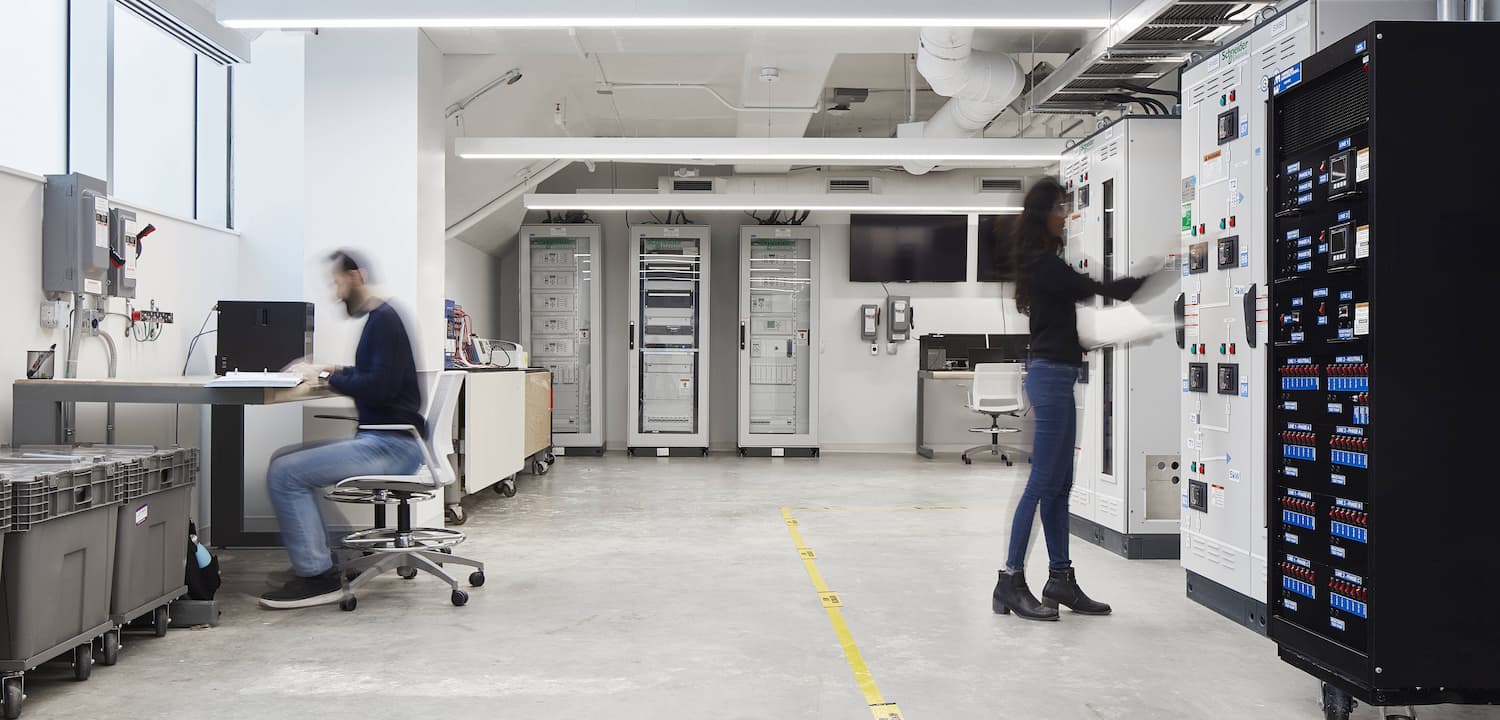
{"x": 349, "y": 603}
{"x": 406, "y": 572}
{"x": 540, "y": 467}
{"x": 968, "y": 461}
{"x": 446, "y": 550}
{"x": 476, "y": 578}
{"x": 15, "y": 698}
{"x": 83, "y": 662}
{"x": 460, "y": 598}
{"x": 109, "y": 651}
{"x": 507, "y": 488}
{"x": 1337, "y": 705}
{"x": 454, "y": 515}
{"x": 550, "y": 458}
{"x": 160, "y": 621}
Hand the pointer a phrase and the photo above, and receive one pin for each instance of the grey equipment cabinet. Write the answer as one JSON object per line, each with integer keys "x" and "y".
{"x": 778, "y": 340}
{"x": 560, "y": 315}
{"x": 668, "y": 338}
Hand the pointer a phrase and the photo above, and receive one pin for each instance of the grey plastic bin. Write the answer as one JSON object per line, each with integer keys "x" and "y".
{"x": 151, "y": 544}
{"x": 58, "y": 562}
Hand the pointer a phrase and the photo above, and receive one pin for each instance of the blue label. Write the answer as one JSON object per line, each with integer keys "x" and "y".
{"x": 1323, "y": 179}
{"x": 1304, "y": 187}
{"x": 1292, "y": 539}
{"x": 1346, "y": 430}
{"x": 1290, "y": 471}
{"x": 1293, "y": 559}
{"x": 1322, "y": 319}
{"x": 1299, "y": 361}
{"x": 1296, "y": 338}
{"x": 1305, "y": 175}
{"x": 1290, "y": 405}
{"x": 1289, "y": 604}
{"x": 1344, "y": 216}
{"x": 1287, "y": 79}
{"x": 1244, "y": 128}
{"x": 1292, "y": 234}
{"x": 1337, "y": 551}
{"x": 1320, "y": 292}
{"x": 1349, "y": 359}
{"x": 1336, "y": 624}
{"x": 1359, "y": 48}
{"x": 1323, "y": 249}
{"x": 1304, "y": 254}
{"x": 1351, "y": 504}
{"x": 1345, "y": 143}
{"x": 1338, "y": 479}
{"x": 1304, "y": 242}
{"x": 1351, "y": 577}
{"x": 1335, "y": 408}
{"x": 1304, "y": 199}
{"x": 1346, "y": 295}
{"x": 1296, "y": 302}
{"x": 1305, "y": 495}
{"x": 1304, "y": 427}
{"x": 1346, "y": 333}
{"x": 1294, "y": 167}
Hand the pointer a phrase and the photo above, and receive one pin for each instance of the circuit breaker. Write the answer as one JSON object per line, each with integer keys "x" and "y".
{"x": 75, "y": 234}
{"x": 1375, "y": 475}
{"x": 778, "y": 357}
{"x": 668, "y": 340}
{"x": 1127, "y": 473}
{"x": 560, "y": 309}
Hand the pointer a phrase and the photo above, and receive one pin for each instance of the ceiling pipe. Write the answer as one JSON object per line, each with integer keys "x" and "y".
{"x": 1450, "y": 10}
{"x": 608, "y": 88}
{"x": 979, "y": 85}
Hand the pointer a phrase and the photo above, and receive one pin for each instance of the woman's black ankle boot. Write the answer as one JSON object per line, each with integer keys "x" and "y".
{"x": 1011, "y": 594}
{"x": 1062, "y": 589}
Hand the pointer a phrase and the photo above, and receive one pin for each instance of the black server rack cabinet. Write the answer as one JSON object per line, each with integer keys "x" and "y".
{"x": 1382, "y": 506}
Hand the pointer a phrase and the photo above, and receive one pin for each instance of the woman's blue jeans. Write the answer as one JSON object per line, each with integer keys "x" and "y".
{"x": 1049, "y": 386}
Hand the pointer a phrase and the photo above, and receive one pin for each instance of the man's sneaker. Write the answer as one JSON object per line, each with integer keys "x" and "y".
{"x": 301, "y": 592}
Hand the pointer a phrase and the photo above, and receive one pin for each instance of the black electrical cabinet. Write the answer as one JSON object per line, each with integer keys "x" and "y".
{"x": 1384, "y": 559}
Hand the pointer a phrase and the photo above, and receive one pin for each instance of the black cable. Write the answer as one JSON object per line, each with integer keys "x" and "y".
{"x": 1132, "y": 87}
{"x": 654, "y": 217}
{"x": 192, "y": 344}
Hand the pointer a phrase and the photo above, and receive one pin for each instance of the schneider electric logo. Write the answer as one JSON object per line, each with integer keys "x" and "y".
{"x": 1233, "y": 52}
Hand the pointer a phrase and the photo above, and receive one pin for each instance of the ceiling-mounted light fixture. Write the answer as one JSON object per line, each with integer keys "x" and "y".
{"x": 731, "y": 202}
{"x": 305, "y": 14}
{"x": 954, "y": 152}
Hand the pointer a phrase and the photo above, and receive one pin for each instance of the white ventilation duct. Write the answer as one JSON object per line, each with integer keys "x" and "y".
{"x": 979, "y": 85}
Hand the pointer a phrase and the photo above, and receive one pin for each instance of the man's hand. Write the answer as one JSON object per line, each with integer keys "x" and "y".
{"x": 311, "y": 373}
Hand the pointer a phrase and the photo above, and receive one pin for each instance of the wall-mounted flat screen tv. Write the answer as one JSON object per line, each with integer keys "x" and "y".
{"x": 908, "y": 248}
{"x": 996, "y": 243}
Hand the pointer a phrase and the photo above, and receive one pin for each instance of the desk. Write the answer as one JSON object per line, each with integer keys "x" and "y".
{"x": 37, "y": 419}
{"x": 928, "y": 376}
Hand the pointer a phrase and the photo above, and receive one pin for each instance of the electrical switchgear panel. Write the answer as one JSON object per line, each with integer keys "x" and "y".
{"x": 560, "y": 311}
{"x": 668, "y": 339}
{"x": 778, "y": 336}
{"x": 75, "y": 235}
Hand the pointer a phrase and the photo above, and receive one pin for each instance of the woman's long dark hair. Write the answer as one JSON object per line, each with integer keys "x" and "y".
{"x": 1032, "y": 238}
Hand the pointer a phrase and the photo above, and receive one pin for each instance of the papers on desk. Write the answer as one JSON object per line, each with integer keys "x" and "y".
{"x": 256, "y": 380}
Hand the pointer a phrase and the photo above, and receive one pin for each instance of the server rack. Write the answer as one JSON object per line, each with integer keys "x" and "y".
{"x": 668, "y": 340}
{"x": 1382, "y": 521}
{"x": 560, "y": 308}
{"x": 778, "y": 356}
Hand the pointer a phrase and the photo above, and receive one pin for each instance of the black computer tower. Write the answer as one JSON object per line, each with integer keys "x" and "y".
{"x": 258, "y": 335}
{"x": 1381, "y": 504}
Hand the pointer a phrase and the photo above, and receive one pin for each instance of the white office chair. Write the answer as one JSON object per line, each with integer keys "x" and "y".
{"x": 405, "y": 548}
{"x": 997, "y": 390}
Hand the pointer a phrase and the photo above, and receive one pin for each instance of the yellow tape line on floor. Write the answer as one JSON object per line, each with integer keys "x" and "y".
{"x": 898, "y": 508}
{"x": 833, "y": 604}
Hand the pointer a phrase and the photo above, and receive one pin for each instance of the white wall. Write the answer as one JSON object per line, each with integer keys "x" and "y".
{"x": 373, "y": 172}
{"x": 866, "y": 403}
{"x": 473, "y": 281}
{"x": 184, "y": 268}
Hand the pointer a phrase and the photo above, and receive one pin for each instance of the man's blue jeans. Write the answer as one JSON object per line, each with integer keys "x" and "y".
{"x": 1049, "y": 386}
{"x": 299, "y": 474}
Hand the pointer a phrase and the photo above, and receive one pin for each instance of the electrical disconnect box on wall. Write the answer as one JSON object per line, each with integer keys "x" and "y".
{"x": 898, "y": 329}
{"x": 123, "y": 246}
{"x": 869, "y": 323}
{"x": 75, "y": 234}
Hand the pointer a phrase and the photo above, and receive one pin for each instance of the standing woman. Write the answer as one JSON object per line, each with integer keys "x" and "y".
{"x": 1049, "y": 291}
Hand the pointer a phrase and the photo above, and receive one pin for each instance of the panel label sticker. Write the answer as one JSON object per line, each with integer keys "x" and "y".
{"x": 93, "y": 287}
{"x": 1216, "y": 495}
{"x": 1362, "y": 318}
{"x": 1287, "y": 79}
{"x": 1337, "y": 551}
{"x": 1244, "y": 391}
{"x": 142, "y": 513}
{"x": 1362, "y": 165}
{"x": 1362, "y": 242}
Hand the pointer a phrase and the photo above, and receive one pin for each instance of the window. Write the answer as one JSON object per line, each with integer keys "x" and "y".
{"x": 33, "y": 127}
{"x": 171, "y": 123}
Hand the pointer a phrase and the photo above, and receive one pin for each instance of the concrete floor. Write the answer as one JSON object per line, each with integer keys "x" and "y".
{"x": 654, "y": 589}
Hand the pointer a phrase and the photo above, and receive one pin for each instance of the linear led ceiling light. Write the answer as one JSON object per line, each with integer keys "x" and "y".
{"x": 710, "y": 151}
{"x": 303, "y": 14}
{"x": 923, "y": 204}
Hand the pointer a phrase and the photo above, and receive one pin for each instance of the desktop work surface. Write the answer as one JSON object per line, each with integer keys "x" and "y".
{"x": 925, "y": 386}
{"x": 37, "y": 419}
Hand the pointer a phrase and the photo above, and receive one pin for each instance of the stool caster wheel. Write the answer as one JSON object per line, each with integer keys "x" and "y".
{"x": 507, "y": 487}
{"x": 460, "y": 598}
{"x": 109, "y": 650}
{"x": 476, "y": 578}
{"x": 454, "y": 515}
{"x": 968, "y": 461}
{"x": 406, "y": 572}
{"x": 83, "y": 662}
{"x": 348, "y": 604}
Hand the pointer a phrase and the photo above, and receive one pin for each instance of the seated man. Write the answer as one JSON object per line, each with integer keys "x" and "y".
{"x": 383, "y": 384}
